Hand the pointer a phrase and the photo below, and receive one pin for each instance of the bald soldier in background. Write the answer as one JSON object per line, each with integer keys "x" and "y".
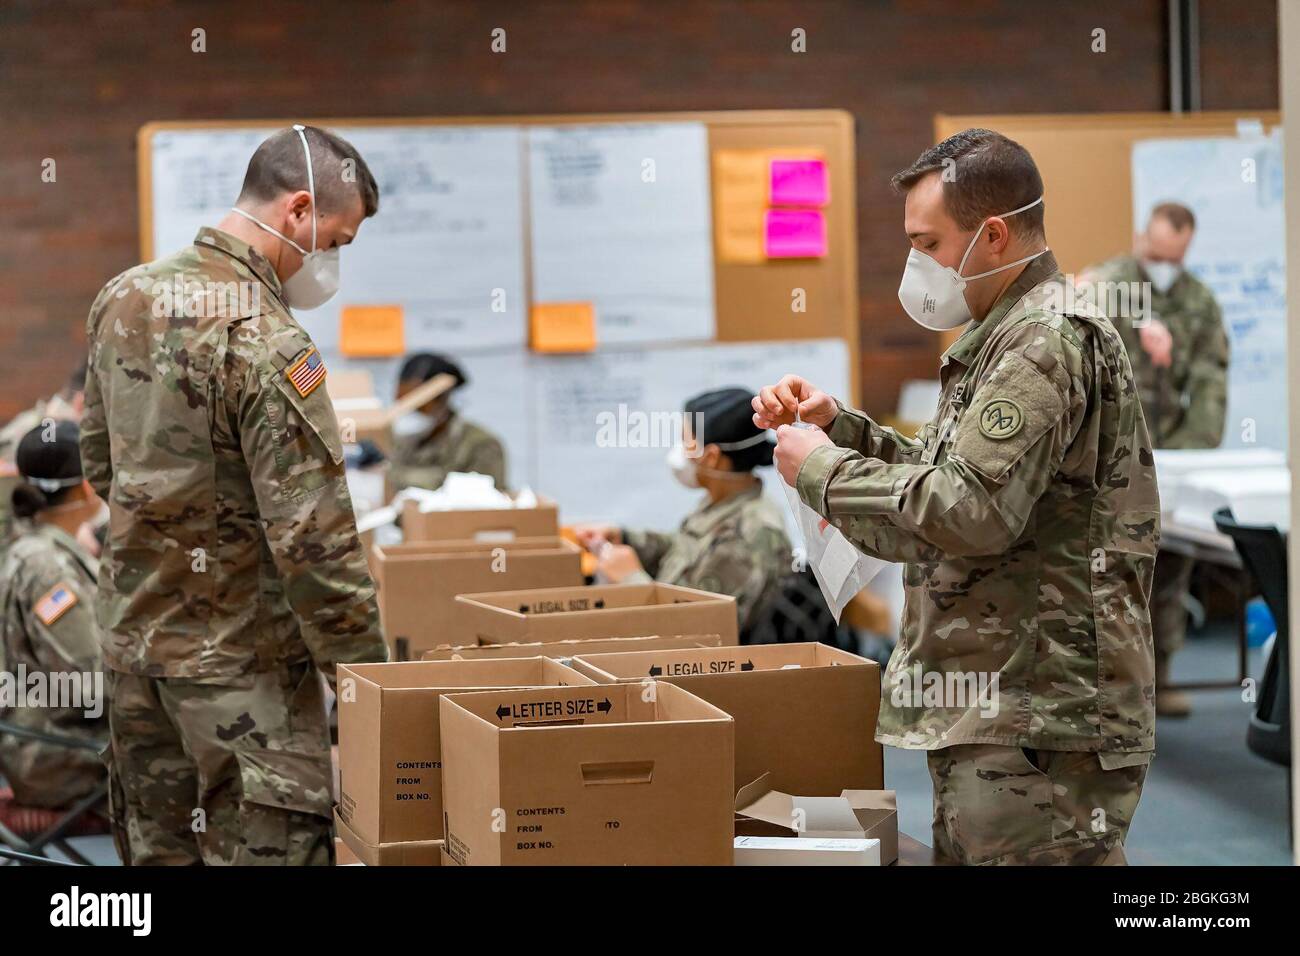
{"x": 232, "y": 571}
{"x": 1027, "y": 514}
{"x": 1179, "y": 351}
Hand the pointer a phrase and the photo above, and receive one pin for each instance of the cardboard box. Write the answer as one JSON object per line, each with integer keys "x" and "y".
{"x": 565, "y": 650}
{"x": 414, "y": 853}
{"x": 853, "y": 815}
{"x": 805, "y": 713}
{"x": 390, "y": 762}
{"x": 480, "y": 524}
{"x": 418, "y": 584}
{"x": 344, "y": 856}
{"x": 791, "y": 851}
{"x": 600, "y": 610}
{"x": 363, "y": 417}
{"x": 587, "y": 776}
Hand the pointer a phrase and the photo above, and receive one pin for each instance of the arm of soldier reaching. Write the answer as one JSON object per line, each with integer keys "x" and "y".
{"x": 1006, "y": 448}
{"x": 625, "y": 557}
{"x": 294, "y": 456}
{"x": 775, "y": 405}
{"x": 1206, "y": 388}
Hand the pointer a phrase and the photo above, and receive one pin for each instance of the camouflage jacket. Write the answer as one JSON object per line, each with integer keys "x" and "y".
{"x": 1028, "y": 518}
{"x": 424, "y": 461}
{"x": 47, "y": 626}
{"x": 737, "y": 547}
{"x": 232, "y": 545}
{"x": 1185, "y": 404}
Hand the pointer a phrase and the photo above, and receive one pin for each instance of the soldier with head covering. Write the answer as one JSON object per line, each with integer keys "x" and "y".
{"x": 47, "y": 623}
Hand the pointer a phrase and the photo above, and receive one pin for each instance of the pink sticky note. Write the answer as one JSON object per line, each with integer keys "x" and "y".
{"x": 799, "y": 182}
{"x": 794, "y": 234}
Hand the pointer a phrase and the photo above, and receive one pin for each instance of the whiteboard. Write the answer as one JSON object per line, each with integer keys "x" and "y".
{"x": 447, "y": 244}
{"x": 1234, "y": 186}
{"x": 582, "y": 400}
{"x": 553, "y": 413}
{"x": 621, "y": 218}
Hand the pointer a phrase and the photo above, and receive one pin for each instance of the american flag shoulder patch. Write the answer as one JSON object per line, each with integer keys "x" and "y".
{"x": 57, "y": 601}
{"x": 307, "y": 372}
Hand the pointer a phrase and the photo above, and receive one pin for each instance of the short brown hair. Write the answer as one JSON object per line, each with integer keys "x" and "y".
{"x": 1176, "y": 214}
{"x": 993, "y": 175}
{"x": 279, "y": 166}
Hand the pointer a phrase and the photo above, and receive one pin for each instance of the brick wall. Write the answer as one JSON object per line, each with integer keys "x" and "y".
{"x": 78, "y": 78}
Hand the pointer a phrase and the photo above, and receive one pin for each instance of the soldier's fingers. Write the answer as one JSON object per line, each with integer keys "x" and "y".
{"x": 787, "y": 391}
{"x": 767, "y": 395}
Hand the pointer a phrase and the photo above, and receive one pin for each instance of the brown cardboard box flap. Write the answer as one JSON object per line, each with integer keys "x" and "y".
{"x": 854, "y": 814}
{"x": 566, "y": 650}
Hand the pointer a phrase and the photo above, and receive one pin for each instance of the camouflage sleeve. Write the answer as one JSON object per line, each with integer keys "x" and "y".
{"x": 68, "y": 642}
{"x": 853, "y": 429}
{"x": 1005, "y": 449}
{"x": 743, "y": 567}
{"x": 489, "y": 458}
{"x": 650, "y": 547}
{"x": 294, "y": 454}
{"x": 96, "y": 463}
{"x": 1206, "y": 387}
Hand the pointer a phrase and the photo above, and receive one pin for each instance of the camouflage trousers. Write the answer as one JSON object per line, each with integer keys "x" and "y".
{"x": 227, "y": 772}
{"x": 1173, "y": 579}
{"x": 997, "y": 805}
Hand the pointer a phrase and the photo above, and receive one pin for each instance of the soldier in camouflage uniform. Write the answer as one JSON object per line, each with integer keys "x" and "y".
{"x": 436, "y": 441}
{"x": 1179, "y": 351}
{"x": 1027, "y": 516}
{"x": 66, "y": 405}
{"x": 47, "y": 625}
{"x": 735, "y": 541}
{"x": 232, "y": 573}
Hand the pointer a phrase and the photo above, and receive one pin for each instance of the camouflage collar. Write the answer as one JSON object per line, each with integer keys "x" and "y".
{"x": 968, "y": 345}
{"x": 238, "y": 249}
{"x": 709, "y": 515}
{"x": 61, "y": 539}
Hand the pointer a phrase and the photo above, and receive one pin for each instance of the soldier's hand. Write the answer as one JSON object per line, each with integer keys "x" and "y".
{"x": 775, "y": 405}
{"x": 1157, "y": 343}
{"x": 592, "y": 535}
{"x": 793, "y": 446}
{"x": 617, "y": 562}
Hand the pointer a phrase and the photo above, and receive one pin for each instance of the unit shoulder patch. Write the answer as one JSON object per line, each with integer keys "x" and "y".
{"x": 1001, "y": 418}
{"x": 55, "y": 603}
{"x": 307, "y": 373}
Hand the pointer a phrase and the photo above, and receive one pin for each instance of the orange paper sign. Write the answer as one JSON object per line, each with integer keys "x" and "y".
{"x": 564, "y": 327}
{"x": 371, "y": 331}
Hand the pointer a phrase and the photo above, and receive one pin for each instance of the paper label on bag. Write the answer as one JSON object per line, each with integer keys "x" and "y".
{"x": 837, "y": 562}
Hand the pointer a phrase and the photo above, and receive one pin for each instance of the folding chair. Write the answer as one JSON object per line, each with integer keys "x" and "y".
{"x": 1263, "y": 553}
{"x": 39, "y": 827}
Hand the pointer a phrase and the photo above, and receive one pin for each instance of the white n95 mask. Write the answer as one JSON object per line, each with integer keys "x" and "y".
{"x": 1163, "y": 275}
{"x": 934, "y": 295}
{"x": 318, "y": 280}
{"x": 681, "y": 468}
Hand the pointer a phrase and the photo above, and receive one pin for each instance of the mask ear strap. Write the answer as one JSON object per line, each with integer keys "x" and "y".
{"x": 262, "y": 225}
{"x": 971, "y": 245}
{"x": 311, "y": 181}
